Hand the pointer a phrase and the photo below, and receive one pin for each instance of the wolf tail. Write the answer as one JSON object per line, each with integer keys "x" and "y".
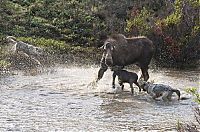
{"x": 177, "y": 92}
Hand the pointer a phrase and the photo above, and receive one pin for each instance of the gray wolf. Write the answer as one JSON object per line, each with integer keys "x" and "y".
{"x": 27, "y": 49}
{"x": 160, "y": 90}
{"x": 24, "y": 47}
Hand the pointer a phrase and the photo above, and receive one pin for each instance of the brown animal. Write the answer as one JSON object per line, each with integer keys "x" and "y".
{"x": 121, "y": 51}
{"x": 126, "y": 77}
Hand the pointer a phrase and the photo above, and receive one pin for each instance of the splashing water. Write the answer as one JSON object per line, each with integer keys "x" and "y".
{"x": 69, "y": 99}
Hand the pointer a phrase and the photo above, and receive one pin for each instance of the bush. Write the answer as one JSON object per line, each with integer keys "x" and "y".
{"x": 60, "y": 48}
{"x": 176, "y": 35}
{"x": 195, "y": 92}
{"x": 4, "y": 64}
{"x": 139, "y": 22}
{"x": 173, "y": 26}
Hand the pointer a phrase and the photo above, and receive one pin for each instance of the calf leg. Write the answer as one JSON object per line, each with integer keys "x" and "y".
{"x": 136, "y": 83}
{"x": 122, "y": 85}
{"x": 132, "y": 90}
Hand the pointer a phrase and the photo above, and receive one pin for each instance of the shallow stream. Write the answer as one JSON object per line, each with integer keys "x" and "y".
{"x": 63, "y": 99}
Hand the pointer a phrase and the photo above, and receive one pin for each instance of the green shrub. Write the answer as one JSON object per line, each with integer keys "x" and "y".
{"x": 72, "y": 21}
{"x": 3, "y": 57}
{"x": 172, "y": 26}
{"x": 140, "y": 22}
{"x": 49, "y": 44}
{"x": 175, "y": 33}
{"x": 4, "y": 64}
{"x": 195, "y": 92}
{"x": 185, "y": 127}
{"x": 60, "y": 47}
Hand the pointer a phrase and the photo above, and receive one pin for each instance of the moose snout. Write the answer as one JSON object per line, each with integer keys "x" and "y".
{"x": 109, "y": 62}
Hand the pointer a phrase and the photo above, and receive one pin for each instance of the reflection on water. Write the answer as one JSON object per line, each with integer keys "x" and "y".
{"x": 61, "y": 99}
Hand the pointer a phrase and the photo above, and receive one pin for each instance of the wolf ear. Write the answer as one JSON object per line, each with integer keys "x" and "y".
{"x": 149, "y": 83}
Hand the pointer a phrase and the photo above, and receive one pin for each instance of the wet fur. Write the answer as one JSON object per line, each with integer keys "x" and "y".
{"x": 160, "y": 90}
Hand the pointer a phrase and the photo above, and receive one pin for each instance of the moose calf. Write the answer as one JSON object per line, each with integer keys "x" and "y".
{"x": 125, "y": 77}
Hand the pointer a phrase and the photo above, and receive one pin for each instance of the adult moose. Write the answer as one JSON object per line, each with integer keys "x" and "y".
{"x": 121, "y": 51}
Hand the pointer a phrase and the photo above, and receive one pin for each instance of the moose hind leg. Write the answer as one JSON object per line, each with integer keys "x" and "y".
{"x": 145, "y": 73}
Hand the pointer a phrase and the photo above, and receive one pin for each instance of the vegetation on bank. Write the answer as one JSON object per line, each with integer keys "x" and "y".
{"x": 195, "y": 92}
{"x": 192, "y": 127}
{"x": 78, "y": 27}
{"x": 174, "y": 27}
{"x": 56, "y": 52}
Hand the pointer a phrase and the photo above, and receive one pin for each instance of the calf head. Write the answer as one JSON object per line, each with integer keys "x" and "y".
{"x": 144, "y": 85}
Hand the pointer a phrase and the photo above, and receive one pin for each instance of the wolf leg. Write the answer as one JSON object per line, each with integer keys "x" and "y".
{"x": 169, "y": 96}
{"x": 165, "y": 96}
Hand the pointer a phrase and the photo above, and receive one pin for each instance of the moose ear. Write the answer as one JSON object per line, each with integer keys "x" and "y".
{"x": 101, "y": 47}
{"x": 113, "y": 47}
{"x": 104, "y": 45}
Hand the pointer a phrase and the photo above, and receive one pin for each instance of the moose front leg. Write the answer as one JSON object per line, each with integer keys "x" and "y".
{"x": 113, "y": 82}
{"x": 100, "y": 73}
{"x": 145, "y": 73}
{"x": 103, "y": 68}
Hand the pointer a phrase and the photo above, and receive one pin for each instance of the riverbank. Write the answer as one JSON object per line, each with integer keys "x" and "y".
{"x": 55, "y": 53}
{"x": 16, "y": 61}
{"x": 60, "y": 52}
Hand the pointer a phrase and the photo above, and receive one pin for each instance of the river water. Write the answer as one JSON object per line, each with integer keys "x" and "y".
{"x": 65, "y": 99}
